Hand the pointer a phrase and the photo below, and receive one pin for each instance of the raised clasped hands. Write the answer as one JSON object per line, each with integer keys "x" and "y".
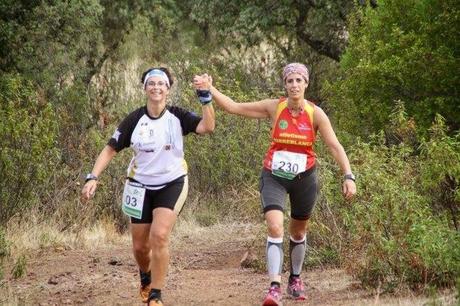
{"x": 202, "y": 82}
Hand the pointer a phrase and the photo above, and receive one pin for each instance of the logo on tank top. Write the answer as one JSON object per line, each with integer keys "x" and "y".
{"x": 283, "y": 124}
{"x": 303, "y": 127}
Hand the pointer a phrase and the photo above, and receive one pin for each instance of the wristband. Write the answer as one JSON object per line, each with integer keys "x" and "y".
{"x": 204, "y": 96}
{"x": 90, "y": 177}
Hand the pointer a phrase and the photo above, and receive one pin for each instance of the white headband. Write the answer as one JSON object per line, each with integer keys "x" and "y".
{"x": 156, "y": 72}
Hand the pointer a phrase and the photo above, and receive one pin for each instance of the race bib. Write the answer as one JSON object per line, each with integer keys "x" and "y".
{"x": 288, "y": 164}
{"x": 133, "y": 199}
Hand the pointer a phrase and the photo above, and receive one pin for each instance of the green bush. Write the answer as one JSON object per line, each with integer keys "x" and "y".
{"x": 28, "y": 130}
{"x": 434, "y": 251}
{"x": 390, "y": 234}
{"x": 440, "y": 172}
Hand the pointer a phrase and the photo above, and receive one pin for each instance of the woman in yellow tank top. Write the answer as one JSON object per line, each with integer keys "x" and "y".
{"x": 289, "y": 169}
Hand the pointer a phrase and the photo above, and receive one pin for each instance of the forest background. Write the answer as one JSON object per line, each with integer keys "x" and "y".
{"x": 386, "y": 72}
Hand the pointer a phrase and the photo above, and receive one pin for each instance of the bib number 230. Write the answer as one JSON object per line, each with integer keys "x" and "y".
{"x": 288, "y": 164}
{"x": 133, "y": 200}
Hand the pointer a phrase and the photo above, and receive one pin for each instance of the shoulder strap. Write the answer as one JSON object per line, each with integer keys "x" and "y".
{"x": 282, "y": 104}
{"x": 309, "y": 108}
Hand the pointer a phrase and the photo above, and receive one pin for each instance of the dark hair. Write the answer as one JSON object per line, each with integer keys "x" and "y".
{"x": 165, "y": 70}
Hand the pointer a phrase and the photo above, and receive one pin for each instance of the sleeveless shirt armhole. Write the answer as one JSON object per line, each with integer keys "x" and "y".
{"x": 310, "y": 108}
{"x": 282, "y": 104}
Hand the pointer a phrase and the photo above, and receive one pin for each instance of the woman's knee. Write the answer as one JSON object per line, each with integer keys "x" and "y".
{"x": 274, "y": 220}
{"x": 298, "y": 229}
{"x": 141, "y": 247}
{"x": 275, "y": 229}
{"x": 159, "y": 238}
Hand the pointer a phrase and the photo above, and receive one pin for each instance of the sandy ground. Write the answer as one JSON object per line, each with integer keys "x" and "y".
{"x": 204, "y": 272}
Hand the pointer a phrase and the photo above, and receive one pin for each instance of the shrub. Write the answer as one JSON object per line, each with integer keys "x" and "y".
{"x": 440, "y": 172}
{"x": 28, "y": 131}
{"x": 392, "y": 237}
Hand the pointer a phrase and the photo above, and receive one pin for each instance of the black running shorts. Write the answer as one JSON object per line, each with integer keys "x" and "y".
{"x": 171, "y": 196}
{"x": 302, "y": 191}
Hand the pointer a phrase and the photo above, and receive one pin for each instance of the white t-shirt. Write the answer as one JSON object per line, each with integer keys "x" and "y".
{"x": 157, "y": 143}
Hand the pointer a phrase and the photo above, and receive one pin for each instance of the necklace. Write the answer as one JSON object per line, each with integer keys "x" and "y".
{"x": 298, "y": 109}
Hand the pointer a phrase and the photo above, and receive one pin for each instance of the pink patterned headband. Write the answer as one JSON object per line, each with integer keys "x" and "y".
{"x": 295, "y": 68}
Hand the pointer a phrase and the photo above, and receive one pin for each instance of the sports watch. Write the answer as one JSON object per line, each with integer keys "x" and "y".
{"x": 90, "y": 177}
{"x": 349, "y": 176}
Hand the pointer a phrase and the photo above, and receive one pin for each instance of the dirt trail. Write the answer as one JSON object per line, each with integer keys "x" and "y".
{"x": 207, "y": 274}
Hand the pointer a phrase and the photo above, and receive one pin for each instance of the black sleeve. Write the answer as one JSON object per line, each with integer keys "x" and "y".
{"x": 122, "y": 137}
{"x": 188, "y": 120}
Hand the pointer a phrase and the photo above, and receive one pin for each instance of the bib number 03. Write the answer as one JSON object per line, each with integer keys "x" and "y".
{"x": 133, "y": 199}
{"x": 288, "y": 164}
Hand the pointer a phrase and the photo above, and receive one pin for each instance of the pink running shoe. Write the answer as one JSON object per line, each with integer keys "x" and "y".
{"x": 273, "y": 297}
{"x": 295, "y": 288}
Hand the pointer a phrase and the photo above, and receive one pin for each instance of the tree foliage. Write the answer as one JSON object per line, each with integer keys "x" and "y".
{"x": 51, "y": 44}
{"x": 287, "y": 24}
{"x": 402, "y": 51}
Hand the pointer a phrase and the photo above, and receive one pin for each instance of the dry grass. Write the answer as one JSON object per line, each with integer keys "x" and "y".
{"x": 34, "y": 235}
{"x": 237, "y": 232}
